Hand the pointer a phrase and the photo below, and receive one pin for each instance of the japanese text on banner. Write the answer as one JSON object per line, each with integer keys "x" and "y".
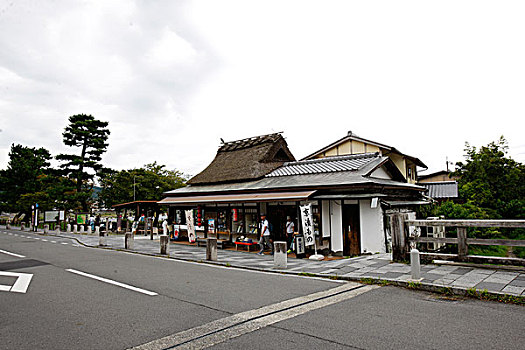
{"x": 190, "y": 225}
{"x": 308, "y": 224}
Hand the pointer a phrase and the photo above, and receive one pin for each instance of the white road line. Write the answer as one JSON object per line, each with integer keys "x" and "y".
{"x": 219, "y": 331}
{"x": 53, "y": 241}
{"x": 123, "y": 285}
{"x": 37, "y": 238}
{"x": 64, "y": 243}
{"x": 13, "y": 254}
{"x": 44, "y": 240}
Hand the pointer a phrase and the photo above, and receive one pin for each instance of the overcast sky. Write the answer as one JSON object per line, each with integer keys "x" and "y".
{"x": 173, "y": 77}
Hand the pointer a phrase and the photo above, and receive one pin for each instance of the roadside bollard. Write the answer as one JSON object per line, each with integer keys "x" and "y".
{"x": 128, "y": 241}
{"x": 57, "y": 229}
{"x": 89, "y": 230}
{"x": 81, "y": 229}
{"x": 415, "y": 264}
{"x": 75, "y": 228}
{"x": 46, "y": 229}
{"x": 164, "y": 245}
{"x": 22, "y": 226}
{"x": 211, "y": 249}
{"x": 68, "y": 228}
{"x": 7, "y": 226}
{"x": 280, "y": 258}
{"x": 101, "y": 237}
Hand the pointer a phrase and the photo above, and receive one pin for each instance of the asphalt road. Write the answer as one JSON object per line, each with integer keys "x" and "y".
{"x": 195, "y": 305}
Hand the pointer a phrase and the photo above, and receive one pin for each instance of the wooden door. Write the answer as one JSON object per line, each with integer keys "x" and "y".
{"x": 351, "y": 231}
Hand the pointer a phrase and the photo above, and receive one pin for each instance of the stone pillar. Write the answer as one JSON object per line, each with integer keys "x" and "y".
{"x": 75, "y": 228}
{"x": 89, "y": 230}
{"x": 101, "y": 236}
{"x": 280, "y": 257}
{"x": 81, "y": 229}
{"x": 415, "y": 264}
{"x": 68, "y": 228}
{"x": 164, "y": 245}
{"x": 128, "y": 241}
{"x": 211, "y": 249}
{"x": 46, "y": 229}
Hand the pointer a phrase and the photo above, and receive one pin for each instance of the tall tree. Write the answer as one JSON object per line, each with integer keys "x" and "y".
{"x": 26, "y": 166}
{"x": 90, "y": 136}
{"x": 146, "y": 183}
{"x": 490, "y": 179}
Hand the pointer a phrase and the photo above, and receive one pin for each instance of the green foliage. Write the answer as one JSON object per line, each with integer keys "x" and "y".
{"x": 90, "y": 136}
{"x": 149, "y": 182}
{"x": 491, "y": 180}
{"x": 26, "y": 165}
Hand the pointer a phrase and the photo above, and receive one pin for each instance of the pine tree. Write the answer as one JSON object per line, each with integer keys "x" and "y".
{"x": 90, "y": 135}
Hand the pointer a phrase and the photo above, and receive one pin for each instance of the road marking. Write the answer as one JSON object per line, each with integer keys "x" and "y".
{"x": 13, "y": 254}
{"x": 21, "y": 283}
{"x": 123, "y": 285}
{"x": 44, "y": 240}
{"x": 63, "y": 243}
{"x": 219, "y": 331}
{"x": 53, "y": 241}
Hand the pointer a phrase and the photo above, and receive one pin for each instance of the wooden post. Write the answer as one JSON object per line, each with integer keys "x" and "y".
{"x": 462, "y": 243}
{"x": 164, "y": 245}
{"x": 400, "y": 242}
{"x": 128, "y": 241}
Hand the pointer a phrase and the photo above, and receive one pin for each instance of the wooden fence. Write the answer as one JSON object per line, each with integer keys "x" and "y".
{"x": 401, "y": 239}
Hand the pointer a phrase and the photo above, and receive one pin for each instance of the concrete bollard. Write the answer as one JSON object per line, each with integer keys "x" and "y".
{"x": 80, "y": 229}
{"x": 164, "y": 245}
{"x": 89, "y": 230}
{"x": 68, "y": 228}
{"x": 415, "y": 264}
{"x": 7, "y": 226}
{"x": 211, "y": 249}
{"x": 46, "y": 229}
{"x": 57, "y": 229}
{"x": 97, "y": 230}
{"x": 75, "y": 228}
{"x": 280, "y": 257}
{"x": 22, "y": 226}
{"x": 128, "y": 241}
{"x": 101, "y": 237}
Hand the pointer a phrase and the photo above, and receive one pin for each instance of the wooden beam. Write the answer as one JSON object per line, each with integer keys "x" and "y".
{"x": 468, "y": 223}
{"x": 507, "y": 242}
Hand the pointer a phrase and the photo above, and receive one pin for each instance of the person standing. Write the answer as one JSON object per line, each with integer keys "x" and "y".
{"x": 264, "y": 229}
{"x": 290, "y": 228}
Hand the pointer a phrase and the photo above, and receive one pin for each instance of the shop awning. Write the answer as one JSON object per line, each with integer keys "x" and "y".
{"x": 239, "y": 198}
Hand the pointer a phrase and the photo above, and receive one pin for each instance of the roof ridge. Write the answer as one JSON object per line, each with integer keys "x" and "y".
{"x": 249, "y": 142}
{"x": 333, "y": 158}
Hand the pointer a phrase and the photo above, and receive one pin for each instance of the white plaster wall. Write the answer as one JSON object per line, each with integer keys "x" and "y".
{"x": 381, "y": 174}
{"x": 372, "y": 234}
{"x": 336, "y": 226}
{"x": 325, "y": 218}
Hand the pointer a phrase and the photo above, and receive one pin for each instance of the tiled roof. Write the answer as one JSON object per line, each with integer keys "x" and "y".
{"x": 444, "y": 189}
{"x": 324, "y": 165}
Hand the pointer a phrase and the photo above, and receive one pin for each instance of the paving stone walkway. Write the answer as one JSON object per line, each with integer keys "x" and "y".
{"x": 435, "y": 277}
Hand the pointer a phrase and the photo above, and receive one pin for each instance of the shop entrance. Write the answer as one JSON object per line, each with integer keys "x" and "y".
{"x": 351, "y": 242}
{"x": 277, "y": 217}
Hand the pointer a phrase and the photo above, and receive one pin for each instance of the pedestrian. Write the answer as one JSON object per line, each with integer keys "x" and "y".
{"x": 264, "y": 230}
{"x": 290, "y": 228}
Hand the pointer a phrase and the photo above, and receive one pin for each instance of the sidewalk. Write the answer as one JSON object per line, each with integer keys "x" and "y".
{"x": 447, "y": 278}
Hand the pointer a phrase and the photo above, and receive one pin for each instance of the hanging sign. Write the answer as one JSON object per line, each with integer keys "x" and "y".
{"x": 191, "y": 227}
{"x": 308, "y": 224}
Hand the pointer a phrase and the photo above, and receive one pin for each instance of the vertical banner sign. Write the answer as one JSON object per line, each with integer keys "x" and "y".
{"x": 308, "y": 224}
{"x": 191, "y": 226}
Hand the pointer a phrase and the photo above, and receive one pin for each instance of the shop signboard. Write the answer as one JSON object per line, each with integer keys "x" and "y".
{"x": 211, "y": 225}
{"x": 54, "y": 215}
{"x": 191, "y": 226}
{"x": 308, "y": 224}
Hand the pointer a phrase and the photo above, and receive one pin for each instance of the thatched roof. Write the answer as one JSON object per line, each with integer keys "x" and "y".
{"x": 246, "y": 159}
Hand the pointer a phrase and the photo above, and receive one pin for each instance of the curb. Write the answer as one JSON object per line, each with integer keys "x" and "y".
{"x": 409, "y": 284}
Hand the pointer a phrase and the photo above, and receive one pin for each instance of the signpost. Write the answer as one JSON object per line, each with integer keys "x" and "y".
{"x": 191, "y": 226}
{"x": 308, "y": 230}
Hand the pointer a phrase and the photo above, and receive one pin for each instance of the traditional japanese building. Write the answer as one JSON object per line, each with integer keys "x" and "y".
{"x": 350, "y": 192}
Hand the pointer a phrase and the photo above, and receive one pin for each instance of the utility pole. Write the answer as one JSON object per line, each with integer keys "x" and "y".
{"x": 134, "y": 188}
